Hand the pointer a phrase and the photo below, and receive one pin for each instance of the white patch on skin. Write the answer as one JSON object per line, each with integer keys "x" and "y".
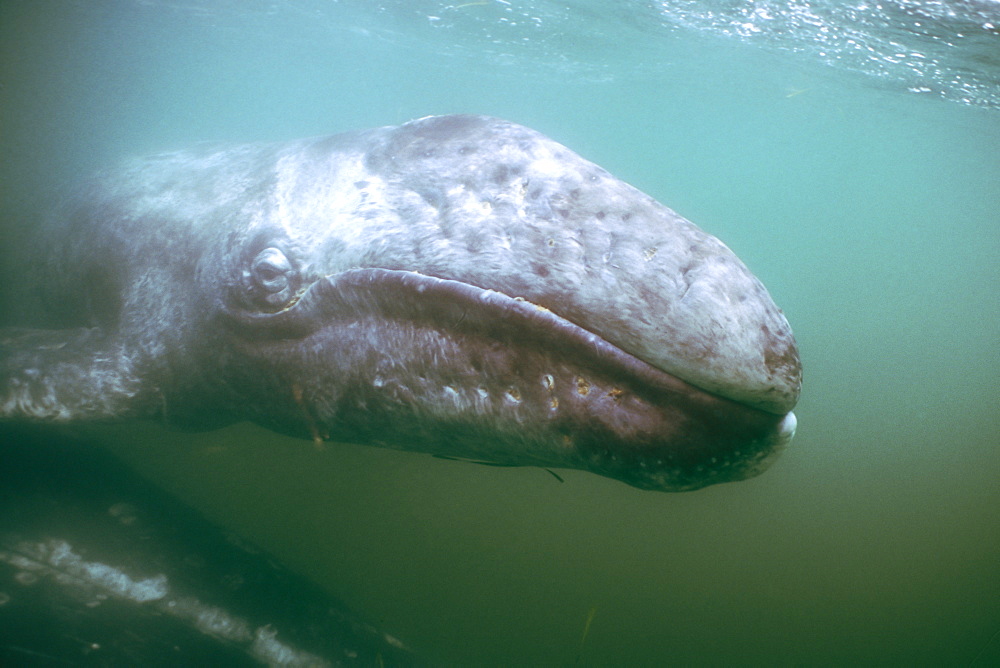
{"x": 453, "y": 398}
{"x": 548, "y": 167}
{"x": 62, "y": 557}
{"x": 272, "y": 651}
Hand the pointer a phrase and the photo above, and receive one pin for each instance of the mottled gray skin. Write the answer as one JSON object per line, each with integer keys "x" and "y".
{"x": 458, "y": 285}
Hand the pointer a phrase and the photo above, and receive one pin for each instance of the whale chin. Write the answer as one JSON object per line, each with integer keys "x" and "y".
{"x": 400, "y": 359}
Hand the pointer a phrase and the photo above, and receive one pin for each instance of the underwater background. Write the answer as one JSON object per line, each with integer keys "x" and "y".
{"x": 848, "y": 152}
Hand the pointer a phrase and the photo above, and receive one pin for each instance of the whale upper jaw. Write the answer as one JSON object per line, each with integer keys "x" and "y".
{"x": 497, "y": 205}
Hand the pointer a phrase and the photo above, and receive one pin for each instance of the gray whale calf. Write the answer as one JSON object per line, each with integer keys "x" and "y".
{"x": 457, "y": 285}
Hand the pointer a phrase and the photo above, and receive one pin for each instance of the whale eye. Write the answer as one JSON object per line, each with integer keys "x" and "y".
{"x": 273, "y": 278}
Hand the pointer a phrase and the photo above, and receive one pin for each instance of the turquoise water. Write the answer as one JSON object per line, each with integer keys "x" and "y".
{"x": 863, "y": 192}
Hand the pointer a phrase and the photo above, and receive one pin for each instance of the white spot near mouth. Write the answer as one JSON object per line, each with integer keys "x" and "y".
{"x": 453, "y": 396}
{"x": 786, "y": 429}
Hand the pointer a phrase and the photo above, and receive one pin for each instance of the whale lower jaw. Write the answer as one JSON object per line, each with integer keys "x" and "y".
{"x": 404, "y": 360}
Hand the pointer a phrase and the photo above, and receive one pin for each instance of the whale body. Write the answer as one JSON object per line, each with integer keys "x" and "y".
{"x": 457, "y": 285}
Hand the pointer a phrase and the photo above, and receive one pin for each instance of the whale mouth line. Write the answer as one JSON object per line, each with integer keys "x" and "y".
{"x": 494, "y": 314}
{"x": 455, "y": 305}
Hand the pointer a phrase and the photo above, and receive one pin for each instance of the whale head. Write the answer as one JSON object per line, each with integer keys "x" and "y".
{"x": 466, "y": 286}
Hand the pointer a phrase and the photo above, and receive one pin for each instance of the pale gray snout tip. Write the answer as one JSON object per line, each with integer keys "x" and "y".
{"x": 786, "y": 430}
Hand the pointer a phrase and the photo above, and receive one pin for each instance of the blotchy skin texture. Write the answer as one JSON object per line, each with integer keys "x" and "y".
{"x": 459, "y": 285}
